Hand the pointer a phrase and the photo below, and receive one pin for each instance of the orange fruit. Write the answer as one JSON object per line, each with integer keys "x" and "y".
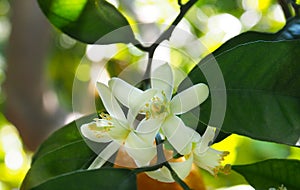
{"x": 194, "y": 180}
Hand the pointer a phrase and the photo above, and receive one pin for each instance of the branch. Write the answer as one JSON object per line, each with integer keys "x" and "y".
{"x": 176, "y": 177}
{"x": 184, "y": 8}
{"x": 161, "y": 161}
{"x": 167, "y": 34}
{"x": 285, "y": 8}
{"x": 296, "y": 8}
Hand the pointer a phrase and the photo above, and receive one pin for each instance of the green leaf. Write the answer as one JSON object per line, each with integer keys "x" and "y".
{"x": 69, "y": 158}
{"x": 65, "y": 151}
{"x": 244, "y": 38}
{"x": 272, "y": 174}
{"x": 62, "y": 137}
{"x": 263, "y": 90}
{"x": 107, "y": 178}
{"x": 290, "y": 31}
{"x": 88, "y": 20}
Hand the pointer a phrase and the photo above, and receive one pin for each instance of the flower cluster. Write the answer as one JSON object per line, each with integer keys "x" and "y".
{"x": 160, "y": 112}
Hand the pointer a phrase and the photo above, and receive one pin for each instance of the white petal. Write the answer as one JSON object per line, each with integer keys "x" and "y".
{"x": 141, "y": 151}
{"x": 137, "y": 103}
{"x": 179, "y": 135}
{"x": 110, "y": 103}
{"x": 148, "y": 129}
{"x": 210, "y": 160}
{"x": 119, "y": 131}
{"x": 95, "y": 133}
{"x": 163, "y": 174}
{"x": 182, "y": 169}
{"x": 162, "y": 80}
{"x": 206, "y": 139}
{"x": 123, "y": 91}
{"x": 104, "y": 155}
{"x": 189, "y": 98}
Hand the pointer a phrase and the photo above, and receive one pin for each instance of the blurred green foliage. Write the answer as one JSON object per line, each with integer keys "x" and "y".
{"x": 66, "y": 54}
{"x": 64, "y": 57}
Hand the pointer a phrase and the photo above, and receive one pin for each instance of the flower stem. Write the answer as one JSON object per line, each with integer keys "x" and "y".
{"x": 176, "y": 177}
{"x": 162, "y": 159}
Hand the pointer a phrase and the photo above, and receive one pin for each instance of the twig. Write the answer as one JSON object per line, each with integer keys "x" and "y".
{"x": 179, "y": 2}
{"x": 296, "y": 8}
{"x": 285, "y": 8}
{"x": 184, "y": 8}
{"x": 176, "y": 177}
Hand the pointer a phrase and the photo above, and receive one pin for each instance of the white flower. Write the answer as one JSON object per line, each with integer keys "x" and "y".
{"x": 116, "y": 130}
{"x": 162, "y": 106}
{"x": 201, "y": 154}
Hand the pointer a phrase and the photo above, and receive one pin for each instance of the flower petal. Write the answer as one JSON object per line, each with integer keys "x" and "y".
{"x": 179, "y": 135}
{"x": 182, "y": 169}
{"x": 148, "y": 129}
{"x": 189, "y": 98}
{"x": 119, "y": 131}
{"x": 210, "y": 160}
{"x": 137, "y": 103}
{"x": 162, "y": 80}
{"x": 149, "y": 125}
{"x": 123, "y": 91}
{"x": 141, "y": 151}
{"x": 104, "y": 155}
{"x": 163, "y": 174}
{"x": 110, "y": 103}
{"x": 95, "y": 133}
{"x": 206, "y": 139}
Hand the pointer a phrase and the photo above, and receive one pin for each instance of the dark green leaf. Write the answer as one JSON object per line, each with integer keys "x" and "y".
{"x": 68, "y": 158}
{"x": 63, "y": 152}
{"x": 67, "y": 134}
{"x": 87, "y": 20}
{"x": 107, "y": 178}
{"x": 272, "y": 174}
{"x": 263, "y": 90}
{"x": 289, "y": 32}
{"x": 244, "y": 38}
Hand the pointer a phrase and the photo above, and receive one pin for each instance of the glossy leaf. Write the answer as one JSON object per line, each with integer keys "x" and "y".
{"x": 63, "y": 152}
{"x": 107, "y": 178}
{"x": 290, "y": 31}
{"x": 64, "y": 136}
{"x": 272, "y": 174}
{"x": 244, "y": 38}
{"x": 87, "y": 20}
{"x": 263, "y": 90}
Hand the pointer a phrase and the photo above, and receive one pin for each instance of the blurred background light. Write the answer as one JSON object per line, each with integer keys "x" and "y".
{"x": 276, "y": 14}
{"x": 250, "y": 4}
{"x": 225, "y": 25}
{"x": 84, "y": 74}
{"x": 250, "y": 18}
{"x": 14, "y": 159}
{"x": 66, "y": 41}
{"x": 5, "y": 28}
{"x": 99, "y": 52}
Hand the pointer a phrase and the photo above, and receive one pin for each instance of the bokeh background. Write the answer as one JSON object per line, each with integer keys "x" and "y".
{"x": 38, "y": 65}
